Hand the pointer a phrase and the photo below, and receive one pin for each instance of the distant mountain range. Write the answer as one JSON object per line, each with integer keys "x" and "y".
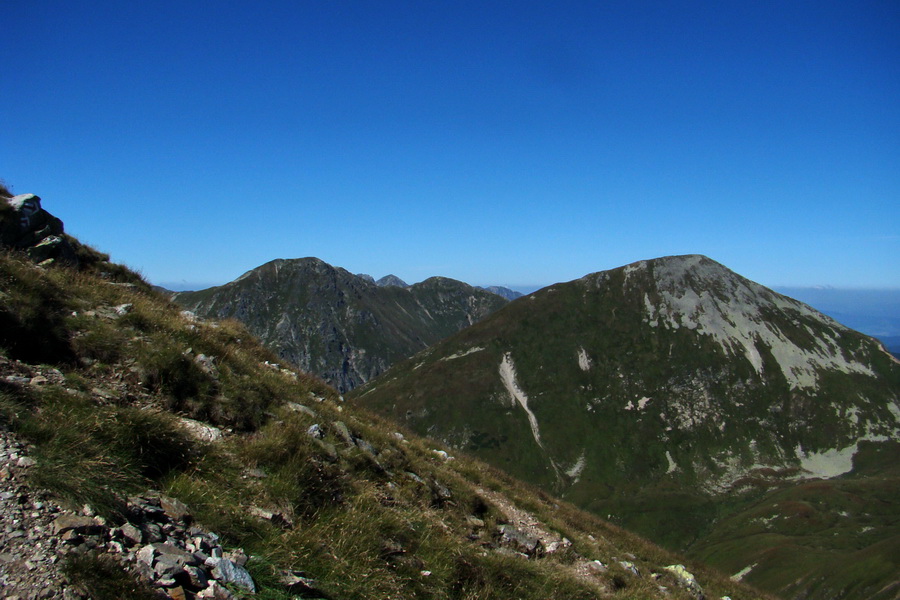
{"x": 686, "y": 402}
{"x": 342, "y": 327}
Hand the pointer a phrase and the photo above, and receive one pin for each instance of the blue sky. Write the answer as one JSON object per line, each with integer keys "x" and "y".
{"x": 517, "y": 143}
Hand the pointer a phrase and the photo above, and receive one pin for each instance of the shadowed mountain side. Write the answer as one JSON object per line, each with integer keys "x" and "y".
{"x": 337, "y": 325}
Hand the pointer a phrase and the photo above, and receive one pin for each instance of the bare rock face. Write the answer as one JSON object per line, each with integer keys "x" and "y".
{"x": 25, "y": 225}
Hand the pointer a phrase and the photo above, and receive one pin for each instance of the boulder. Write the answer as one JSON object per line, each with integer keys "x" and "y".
{"x": 175, "y": 509}
{"x": 686, "y": 580}
{"x": 226, "y": 571}
{"x": 24, "y": 225}
{"x": 519, "y": 541}
{"x": 77, "y": 523}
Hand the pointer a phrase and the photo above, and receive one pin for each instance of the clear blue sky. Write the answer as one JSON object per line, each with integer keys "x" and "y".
{"x": 517, "y": 143}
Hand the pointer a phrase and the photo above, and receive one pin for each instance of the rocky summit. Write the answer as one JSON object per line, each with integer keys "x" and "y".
{"x": 682, "y": 400}
{"x": 342, "y": 327}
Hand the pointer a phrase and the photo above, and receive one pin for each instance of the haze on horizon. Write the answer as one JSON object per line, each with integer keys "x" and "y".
{"x": 510, "y": 143}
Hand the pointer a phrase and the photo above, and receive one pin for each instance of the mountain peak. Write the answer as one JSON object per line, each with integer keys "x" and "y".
{"x": 658, "y": 392}
{"x": 391, "y": 280}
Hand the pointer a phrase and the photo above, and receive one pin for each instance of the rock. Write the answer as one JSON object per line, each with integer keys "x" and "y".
{"x": 519, "y": 541}
{"x": 439, "y": 492}
{"x": 556, "y": 546}
{"x": 215, "y": 591}
{"x": 152, "y": 533}
{"x": 175, "y": 509}
{"x": 168, "y": 551}
{"x": 629, "y": 566}
{"x": 366, "y": 447}
{"x": 276, "y": 518}
{"x": 146, "y": 555}
{"x": 132, "y": 534}
{"x": 301, "y": 409}
{"x": 178, "y": 593}
{"x": 344, "y": 432}
{"x": 597, "y": 567}
{"x": 201, "y": 431}
{"x": 197, "y": 576}
{"x": 123, "y": 309}
{"x": 315, "y": 431}
{"x": 238, "y": 557}
{"x": 26, "y": 461}
{"x": 76, "y": 523}
{"x": 33, "y": 229}
{"x": 207, "y": 365}
{"x": 474, "y": 522}
{"x": 225, "y": 571}
{"x": 296, "y": 582}
{"x": 168, "y": 568}
{"x": 51, "y": 248}
{"x": 686, "y": 580}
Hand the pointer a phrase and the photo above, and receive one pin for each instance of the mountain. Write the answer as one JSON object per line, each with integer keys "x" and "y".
{"x": 504, "y": 292}
{"x": 684, "y": 401}
{"x": 337, "y": 325}
{"x": 147, "y": 453}
{"x": 391, "y": 280}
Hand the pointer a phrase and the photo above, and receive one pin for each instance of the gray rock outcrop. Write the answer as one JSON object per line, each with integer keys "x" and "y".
{"x": 25, "y": 225}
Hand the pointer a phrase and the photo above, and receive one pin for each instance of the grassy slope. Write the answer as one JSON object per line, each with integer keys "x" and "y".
{"x": 362, "y": 527}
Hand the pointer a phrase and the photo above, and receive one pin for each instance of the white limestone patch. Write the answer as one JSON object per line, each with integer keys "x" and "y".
{"x": 733, "y": 317}
{"x": 672, "y": 466}
{"x": 641, "y": 404}
{"x": 637, "y": 267}
{"x": 575, "y": 470}
{"x": 584, "y": 361}
{"x": 828, "y": 464}
{"x": 895, "y": 410}
{"x": 508, "y": 377}
{"x": 462, "y": 354}
{"x": 743, "y": 572}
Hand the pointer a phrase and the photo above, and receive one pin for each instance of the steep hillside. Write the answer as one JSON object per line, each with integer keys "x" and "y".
{"x": 181, "y": 460}
{"x": 342, "y": 327}
{"x": 679, "y": 399}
